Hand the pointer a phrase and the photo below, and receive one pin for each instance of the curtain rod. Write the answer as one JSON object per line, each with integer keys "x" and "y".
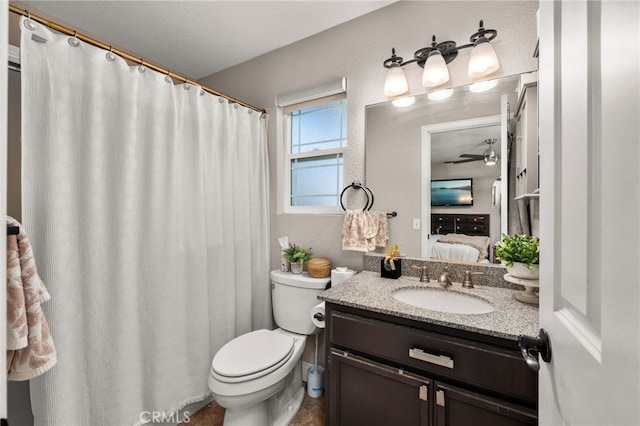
{"x": 87, "y": 39}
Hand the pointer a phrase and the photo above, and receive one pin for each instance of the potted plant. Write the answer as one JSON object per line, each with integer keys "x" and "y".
{"x": 521, "y": 255}
{"x": 296, "y": 256}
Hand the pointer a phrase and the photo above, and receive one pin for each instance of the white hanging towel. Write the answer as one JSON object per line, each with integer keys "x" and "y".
{"x": 382, "y": 225}
{"x": 359, "y": 231}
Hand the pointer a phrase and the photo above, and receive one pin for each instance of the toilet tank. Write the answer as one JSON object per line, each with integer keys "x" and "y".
{"x": 292, "y": 297}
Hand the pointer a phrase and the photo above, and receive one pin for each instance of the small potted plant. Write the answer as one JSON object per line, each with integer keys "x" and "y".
{"x": 296, "y": 256}
{"x": 521, "y": 255}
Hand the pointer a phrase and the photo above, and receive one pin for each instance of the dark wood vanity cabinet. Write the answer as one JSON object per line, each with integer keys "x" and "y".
{"x": 371, "y": 393}
{"x": 382, "y": 370}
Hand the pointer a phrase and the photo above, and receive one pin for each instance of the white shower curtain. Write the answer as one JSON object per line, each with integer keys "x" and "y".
{"x": 147, "y": 207}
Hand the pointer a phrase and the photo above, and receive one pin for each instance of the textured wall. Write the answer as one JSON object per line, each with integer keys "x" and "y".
{"x": 356, "y": 50}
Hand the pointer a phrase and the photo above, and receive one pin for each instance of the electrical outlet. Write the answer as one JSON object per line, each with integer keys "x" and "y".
{"x": 416, "y": 223}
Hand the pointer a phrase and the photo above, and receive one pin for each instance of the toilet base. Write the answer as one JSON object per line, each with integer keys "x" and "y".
{"x": 278, "y": 410}
{"x": 261, "y": 414}
{"x": 283, "y": 415}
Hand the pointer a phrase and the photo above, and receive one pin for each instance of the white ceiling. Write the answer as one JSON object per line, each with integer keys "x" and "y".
{"x": 448, "y": 146}
{"x": 198, "y": 38}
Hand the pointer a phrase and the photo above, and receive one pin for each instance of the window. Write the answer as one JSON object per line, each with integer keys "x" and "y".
{"x": 317, "y": 138}
{"x": 312, "y": 129}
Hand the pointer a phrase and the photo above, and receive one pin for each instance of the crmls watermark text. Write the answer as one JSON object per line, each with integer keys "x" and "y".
{"x": 164, "y": 417}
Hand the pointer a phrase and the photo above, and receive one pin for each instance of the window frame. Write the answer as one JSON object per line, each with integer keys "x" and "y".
{"x": 286, "y": 156}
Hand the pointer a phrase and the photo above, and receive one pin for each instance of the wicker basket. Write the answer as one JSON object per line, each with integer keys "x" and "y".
{"x": 319, "y": 267}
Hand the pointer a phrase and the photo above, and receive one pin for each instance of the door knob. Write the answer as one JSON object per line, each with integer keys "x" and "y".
{"x": 532, "y": 346}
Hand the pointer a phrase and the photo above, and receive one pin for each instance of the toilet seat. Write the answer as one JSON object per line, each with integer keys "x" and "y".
{"x": 251, "y": 356}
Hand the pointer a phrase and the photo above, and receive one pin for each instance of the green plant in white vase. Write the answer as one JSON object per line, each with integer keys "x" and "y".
{"x": 520, "y": 254}
{"x": 296, "y": 256}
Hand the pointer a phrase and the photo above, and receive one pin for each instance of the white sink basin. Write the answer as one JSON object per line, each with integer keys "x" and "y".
{"x": 443, "y": 301}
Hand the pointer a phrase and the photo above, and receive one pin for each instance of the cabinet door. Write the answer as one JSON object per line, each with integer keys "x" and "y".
{"x": 364, "y": 392}
{"x": 458, "y": 407}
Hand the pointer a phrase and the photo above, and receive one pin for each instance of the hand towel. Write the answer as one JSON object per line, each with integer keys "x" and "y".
{"x": 30, "y": 348}
{"x": 358, "y": 231}
{"x": 382, "y": 225}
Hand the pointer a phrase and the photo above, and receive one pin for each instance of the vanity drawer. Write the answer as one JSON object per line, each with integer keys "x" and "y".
{"x": 501, "y": 370}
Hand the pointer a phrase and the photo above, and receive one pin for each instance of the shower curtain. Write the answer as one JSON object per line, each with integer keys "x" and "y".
{"x": 147, "y": 206}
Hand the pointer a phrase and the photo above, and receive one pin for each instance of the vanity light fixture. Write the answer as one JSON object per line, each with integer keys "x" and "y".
{"x": 491, "y": 157}
{"x": 434, "y": 59}
{"x": 395, "y": 84}
{"x": 435, "y": 68}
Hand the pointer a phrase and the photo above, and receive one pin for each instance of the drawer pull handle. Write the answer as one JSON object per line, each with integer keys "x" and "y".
{"x": 421, "y": 355}
{"x": 423, "y": 392}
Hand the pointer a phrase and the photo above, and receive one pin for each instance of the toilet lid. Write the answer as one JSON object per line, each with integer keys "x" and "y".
{"x": 253, "y": 353}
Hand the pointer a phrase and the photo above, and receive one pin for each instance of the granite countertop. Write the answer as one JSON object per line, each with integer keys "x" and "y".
{"x": 368, "y": 291}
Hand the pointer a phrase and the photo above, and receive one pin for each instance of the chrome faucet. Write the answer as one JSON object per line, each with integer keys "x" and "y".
{"x": 424, "y": 274}
{"x": 445, "y": 278}
{"x": 467, "y": 278}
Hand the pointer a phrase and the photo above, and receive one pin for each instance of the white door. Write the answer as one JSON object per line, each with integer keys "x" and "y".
{"x": 590, "y": 211}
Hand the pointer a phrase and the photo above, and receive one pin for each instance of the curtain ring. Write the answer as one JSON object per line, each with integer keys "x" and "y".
{"x": 141, "y": 67}
{"x": 73, "y": 41}
{"x": 29, "y": 24}
{"x": 110, "y": 55}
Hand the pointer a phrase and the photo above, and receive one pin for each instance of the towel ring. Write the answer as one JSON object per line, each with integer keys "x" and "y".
{"x": 367, "y": 193}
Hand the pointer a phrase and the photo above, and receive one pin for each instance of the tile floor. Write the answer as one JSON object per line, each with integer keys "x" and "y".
{"x": 311, "y": 414}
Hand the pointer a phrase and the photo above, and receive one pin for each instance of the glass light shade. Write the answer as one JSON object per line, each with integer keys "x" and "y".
{"x": 483, "y": 60}
{"x": 435, "y": 70}
{"x": 395, "y": 84}
{"x": 491, "y": 157}
{"x": 404, "y": 102}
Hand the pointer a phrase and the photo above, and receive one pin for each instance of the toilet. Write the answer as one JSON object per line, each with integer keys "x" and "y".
{"x": 257, "y": 377}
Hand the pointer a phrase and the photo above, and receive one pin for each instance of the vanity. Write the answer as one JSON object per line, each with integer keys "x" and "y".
{"x": 391, "y": 363}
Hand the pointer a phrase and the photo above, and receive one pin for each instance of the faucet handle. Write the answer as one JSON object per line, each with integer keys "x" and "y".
{"x": 424, "y": 274}
{"x": 467, "y": 278}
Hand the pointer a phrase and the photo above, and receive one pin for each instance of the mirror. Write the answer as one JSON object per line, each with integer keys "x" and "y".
{"x": 400, "y": 168}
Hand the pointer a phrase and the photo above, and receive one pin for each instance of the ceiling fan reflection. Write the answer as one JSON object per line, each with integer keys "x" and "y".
{"x": 490, "y": 156}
